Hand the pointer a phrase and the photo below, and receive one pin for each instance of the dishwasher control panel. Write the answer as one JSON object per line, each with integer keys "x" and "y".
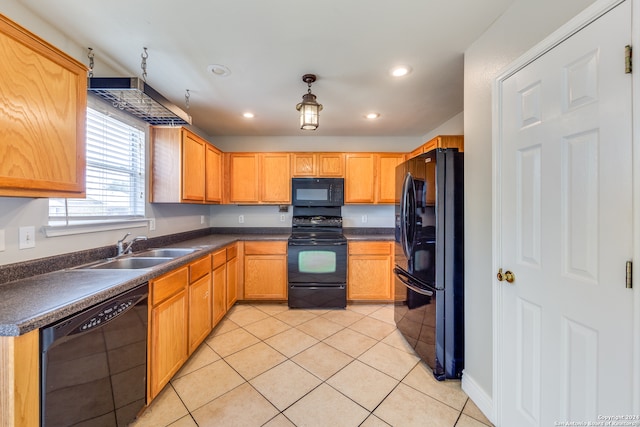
{"x": 107, "y": 314}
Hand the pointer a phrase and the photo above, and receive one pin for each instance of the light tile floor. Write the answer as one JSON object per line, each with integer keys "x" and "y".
{"x": 267, "y": 365}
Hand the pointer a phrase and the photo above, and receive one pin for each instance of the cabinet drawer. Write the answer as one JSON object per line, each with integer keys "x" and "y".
{"x": 199, "y": 268}
{"x": 369, "y": 248}
{"x": 232, "y": 251}
{"x": 265, "y": 248}
{"x": 165, "y": 286}
{"x": 219, "y": 258}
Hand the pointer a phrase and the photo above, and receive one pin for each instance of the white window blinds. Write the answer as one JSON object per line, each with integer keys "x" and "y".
{"x": 115, "y": 174}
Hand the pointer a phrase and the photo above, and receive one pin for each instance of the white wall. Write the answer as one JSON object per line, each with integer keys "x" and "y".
{"x": 453, "y": 126}
{"x": 522, "y": 26}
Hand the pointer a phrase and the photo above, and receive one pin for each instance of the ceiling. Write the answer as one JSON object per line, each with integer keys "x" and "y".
{"x": 268, "y": 45}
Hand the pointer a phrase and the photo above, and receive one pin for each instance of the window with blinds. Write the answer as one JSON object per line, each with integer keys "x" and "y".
{"x": 115, "y": 174}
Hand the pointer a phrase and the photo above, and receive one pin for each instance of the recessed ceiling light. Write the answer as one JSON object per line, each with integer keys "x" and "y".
{"x": 248, "y": 115}
{"x": 400, "y": 71}
{"x": 219, "y": 70}
{"x": 372, "y": 116}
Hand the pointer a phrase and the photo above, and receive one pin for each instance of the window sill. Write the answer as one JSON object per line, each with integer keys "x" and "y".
{"x": 92, "y": 227}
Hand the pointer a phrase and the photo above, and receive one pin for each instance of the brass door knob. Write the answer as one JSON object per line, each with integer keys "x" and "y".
{"x": 507, "y": 275}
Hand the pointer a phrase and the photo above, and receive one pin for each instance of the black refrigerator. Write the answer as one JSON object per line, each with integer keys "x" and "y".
{"x": 429, "y": 259}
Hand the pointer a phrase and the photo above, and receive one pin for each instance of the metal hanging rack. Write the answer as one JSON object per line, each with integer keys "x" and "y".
{"x": 136, "y": 97}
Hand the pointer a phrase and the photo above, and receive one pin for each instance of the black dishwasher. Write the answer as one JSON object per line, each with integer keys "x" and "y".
{"x": 94, "y": 364}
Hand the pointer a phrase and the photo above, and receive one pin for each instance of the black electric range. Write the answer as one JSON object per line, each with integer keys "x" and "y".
{"x": 317, "y": 259}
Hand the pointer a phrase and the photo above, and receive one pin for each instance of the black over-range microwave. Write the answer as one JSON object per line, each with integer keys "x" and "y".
{"x": 317, "y": 191}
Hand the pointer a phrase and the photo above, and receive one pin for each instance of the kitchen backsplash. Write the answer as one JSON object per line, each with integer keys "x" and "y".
{"x": 368, "y": 216}
{"x": 168, "y": 218}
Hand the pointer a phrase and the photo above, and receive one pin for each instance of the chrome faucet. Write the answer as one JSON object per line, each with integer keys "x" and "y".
{"x": 125, "y": 249}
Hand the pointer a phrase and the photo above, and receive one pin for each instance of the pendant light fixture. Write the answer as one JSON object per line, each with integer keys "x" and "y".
{"x": 309, "y": 107}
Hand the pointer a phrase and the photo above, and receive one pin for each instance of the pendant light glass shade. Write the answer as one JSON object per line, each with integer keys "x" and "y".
{"x": 309, "y": 107}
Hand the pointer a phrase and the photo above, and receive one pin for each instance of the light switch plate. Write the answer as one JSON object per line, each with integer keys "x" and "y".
{"x": 27, "y": 237}
{"x": 152, "y": 224}
{"x": 2, "y": 248}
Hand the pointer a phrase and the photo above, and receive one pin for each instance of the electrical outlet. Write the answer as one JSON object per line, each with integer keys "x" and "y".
{"x": 201, "y": 219}
{"x": 241, "y": 219}
{"x": 27, "y": 237}
{"x": 152, "y": 224}
{"x": 364, "y": 219}
{"x": 1, "y": 240}
{"x": 283, "y": 218}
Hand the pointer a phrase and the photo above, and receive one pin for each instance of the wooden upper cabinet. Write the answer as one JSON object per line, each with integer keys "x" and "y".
{"x": 304, "y": 165}
{"x": 213, "y": 174}
{"x": 275, "y": 178}
{"x": 371, "y": 177}
{"x": 441, "y": 141}
{"x": 185, "y": 168}
{"x": 416, "y": 152}
{"x": 43, "y": 120}
{"x": 259, "y": 178}
{"x": 243, "y": 178}
{"x": 386, "y": 176}
{"x": 193, "y": 166}
{"x": 331, "y": 165}
{"x": 317, "y": 165}
{"x": 360, "y": 178}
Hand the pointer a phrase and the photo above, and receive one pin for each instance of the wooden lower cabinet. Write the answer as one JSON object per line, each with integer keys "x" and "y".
{"x": 219, "y": 285}
{"x": 185, "y": 305}
{"x": 232, "y": 275}
{"x": 19, "y": 380}
{"x": 369, "y": 271}
{"x": 199, "y": 302}
{"x": 265, "y": 270}
{"x": 168, "y": 327}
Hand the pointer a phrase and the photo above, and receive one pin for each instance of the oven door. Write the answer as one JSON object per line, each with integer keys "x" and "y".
{"x": 313, "y": 263}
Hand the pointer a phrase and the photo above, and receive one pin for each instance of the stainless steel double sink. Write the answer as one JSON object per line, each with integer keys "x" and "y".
{"x": 145, "y": 259}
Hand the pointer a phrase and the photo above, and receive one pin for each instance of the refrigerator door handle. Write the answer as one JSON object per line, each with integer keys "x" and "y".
{"x": 410, "y": 282}
{"x": 407, "y": 218}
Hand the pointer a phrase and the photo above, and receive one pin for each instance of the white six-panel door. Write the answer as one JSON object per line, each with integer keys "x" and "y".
{"x": 565, "y": 231}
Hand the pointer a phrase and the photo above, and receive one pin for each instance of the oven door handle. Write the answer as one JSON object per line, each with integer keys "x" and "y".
{"x": 410, "y": 282}
{"x": 317, "y": 244}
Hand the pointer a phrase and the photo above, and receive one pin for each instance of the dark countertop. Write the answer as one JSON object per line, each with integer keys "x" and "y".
{"x": 33, "y": 302}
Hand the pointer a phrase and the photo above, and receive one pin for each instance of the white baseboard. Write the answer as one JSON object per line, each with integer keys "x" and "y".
{"x": 483, "y": 401}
